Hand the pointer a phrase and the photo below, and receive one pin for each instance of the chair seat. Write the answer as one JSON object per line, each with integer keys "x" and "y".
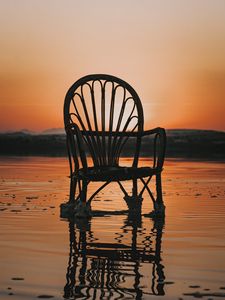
{"x": 116, "y": 173}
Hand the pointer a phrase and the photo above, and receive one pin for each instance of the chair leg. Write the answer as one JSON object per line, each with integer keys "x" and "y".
{"x": 83, "y": 194}
{"x": 83, "y": 208}
{"x": 135, "y": 188}
{"x": 159, "y": 188}
{"x": 67, "y": 209}
{"x": 73, "y": 184}
{"x": 134, "y": 202}
{"x": 159, "y": 205}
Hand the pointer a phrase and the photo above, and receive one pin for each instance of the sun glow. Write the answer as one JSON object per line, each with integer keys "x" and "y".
{"x": 172, "y": 54}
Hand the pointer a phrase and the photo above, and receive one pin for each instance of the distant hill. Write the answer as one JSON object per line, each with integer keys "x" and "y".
{"x": 182, "y": 143}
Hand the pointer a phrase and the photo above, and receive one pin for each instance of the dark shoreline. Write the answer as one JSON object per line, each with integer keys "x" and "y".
{"x": 167, "y": 159}
{"x": 181, "y": 144}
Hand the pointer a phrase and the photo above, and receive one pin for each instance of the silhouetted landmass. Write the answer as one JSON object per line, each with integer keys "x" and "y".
{"x": 181, "y": 143}
{"x": 196, "y": 143}
{"x": 20, "y": 143}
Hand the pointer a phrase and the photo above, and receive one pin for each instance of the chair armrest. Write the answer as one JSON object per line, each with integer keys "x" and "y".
{"x": 153, "y": 131}
{"x": 159, "y": 146}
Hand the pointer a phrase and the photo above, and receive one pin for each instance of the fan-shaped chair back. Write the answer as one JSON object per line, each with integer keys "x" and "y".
{"x": 107, "y": 110}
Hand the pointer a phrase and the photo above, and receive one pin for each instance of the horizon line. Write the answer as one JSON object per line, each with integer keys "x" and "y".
{"x": 51, "y": 130}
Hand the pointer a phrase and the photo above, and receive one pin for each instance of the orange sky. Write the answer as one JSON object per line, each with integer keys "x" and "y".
{"x": 171, "y": 51}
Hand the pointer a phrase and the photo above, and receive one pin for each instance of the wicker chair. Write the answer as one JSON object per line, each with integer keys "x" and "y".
{"x": 101, "y": 114}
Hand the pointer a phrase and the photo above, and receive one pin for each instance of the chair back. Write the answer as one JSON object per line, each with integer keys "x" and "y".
{"x": 107, "y": 110}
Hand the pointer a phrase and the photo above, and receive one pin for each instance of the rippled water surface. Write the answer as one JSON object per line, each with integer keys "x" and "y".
{"x": 115, "y": 256}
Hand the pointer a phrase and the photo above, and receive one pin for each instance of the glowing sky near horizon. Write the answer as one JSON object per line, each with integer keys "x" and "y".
{"x": 172, "y": 52}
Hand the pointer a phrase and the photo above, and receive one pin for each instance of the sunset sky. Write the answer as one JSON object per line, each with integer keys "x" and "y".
{"x": 172, "y": 52}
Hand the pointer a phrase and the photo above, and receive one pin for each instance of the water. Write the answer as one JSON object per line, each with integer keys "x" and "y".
{"x": 115, "y": 256}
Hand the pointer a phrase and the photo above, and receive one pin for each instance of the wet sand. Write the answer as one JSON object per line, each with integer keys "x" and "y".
{"x": 118, "y": 255}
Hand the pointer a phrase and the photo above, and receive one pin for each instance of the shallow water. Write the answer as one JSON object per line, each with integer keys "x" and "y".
{"x": 115, "y": 256}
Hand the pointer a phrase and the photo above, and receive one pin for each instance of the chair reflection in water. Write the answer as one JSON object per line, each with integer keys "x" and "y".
{"x": 99, "y": 270}
{"x": 102, "y": 113}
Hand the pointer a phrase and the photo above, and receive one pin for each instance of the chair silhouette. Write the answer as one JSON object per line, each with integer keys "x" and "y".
{"x": 103, "y": 117}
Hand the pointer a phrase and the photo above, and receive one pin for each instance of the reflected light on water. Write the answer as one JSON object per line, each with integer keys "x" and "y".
{"x": 116, "y": 255}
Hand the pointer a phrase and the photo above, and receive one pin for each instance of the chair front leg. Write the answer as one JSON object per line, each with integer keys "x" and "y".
{"x": 82, "y": 207}
{"x": 73, "y": 185}
{"x": 159, "y": 188}
{"x": 158, "y": 204}
{"x": 67, "y": 209}
{"x": 83, "y": 194}
{"x": 135, "y": 188}
{"x": 134, "y": 202}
